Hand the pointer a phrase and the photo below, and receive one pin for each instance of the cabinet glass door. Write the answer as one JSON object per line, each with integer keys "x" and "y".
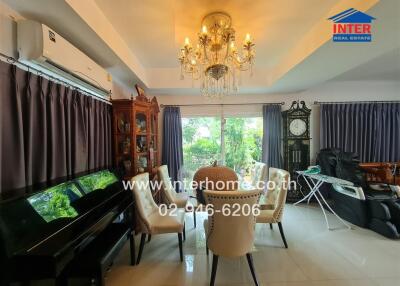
{"x": 123, "y": 122}
{"x": 141, "y": 122}
{"x": 142, "y": 164}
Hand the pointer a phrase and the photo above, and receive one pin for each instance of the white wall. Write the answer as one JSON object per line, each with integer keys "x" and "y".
{"x": 330, "y": 91}
{"x": 118, "y": 91}
{"x": 8, "y": 30}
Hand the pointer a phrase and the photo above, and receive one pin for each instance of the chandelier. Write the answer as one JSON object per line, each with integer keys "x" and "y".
{"x": 215, "y": 60}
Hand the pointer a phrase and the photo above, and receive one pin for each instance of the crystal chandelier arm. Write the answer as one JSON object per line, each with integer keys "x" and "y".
{"x": 226, "y": 57}
{"x": 244, "y": 62}
{"x": 204, "y": 41}
{"x": 188, "y": 61}
{"x": 206, "y": 58}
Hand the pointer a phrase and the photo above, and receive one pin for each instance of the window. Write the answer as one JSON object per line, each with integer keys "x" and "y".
{"x": 243, "y": 143}
{"x": 238, "y": 146}
{"x": 201, "y": 143}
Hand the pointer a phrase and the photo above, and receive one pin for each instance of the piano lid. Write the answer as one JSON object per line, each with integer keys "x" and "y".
{"x": 26, "y": 221}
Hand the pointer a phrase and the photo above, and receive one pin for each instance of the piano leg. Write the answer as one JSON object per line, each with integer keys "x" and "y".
{"x": 132, "y": 248}
{"x": 100, "y": 281}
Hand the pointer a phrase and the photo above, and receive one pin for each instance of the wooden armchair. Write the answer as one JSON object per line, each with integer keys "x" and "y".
{"x": 382, "y": 172}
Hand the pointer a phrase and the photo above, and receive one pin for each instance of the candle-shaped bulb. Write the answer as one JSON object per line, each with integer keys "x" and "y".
{"x": 233, "y": 46}
{"x": 193, "y": 62}
{"x": 204, "y": 30}
{"x": 248, "y": 38}
{"x": 187, "y": 41}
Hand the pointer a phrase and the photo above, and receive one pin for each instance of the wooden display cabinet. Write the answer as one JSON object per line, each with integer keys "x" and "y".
{"x": 135, "y": 127}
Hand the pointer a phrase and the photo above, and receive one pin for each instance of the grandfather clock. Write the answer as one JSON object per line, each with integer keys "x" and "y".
{"x": 296, "y": 143}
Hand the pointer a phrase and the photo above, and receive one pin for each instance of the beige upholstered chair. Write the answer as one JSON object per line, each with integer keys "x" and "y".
{"x": 151, "y": 220}
{"x": 272, "y": 212}
{"x": 229, "y": 235}
{"x": 169, "y": 195}
{"x": 208, "y": 178}
{"x": 259, "y": 173}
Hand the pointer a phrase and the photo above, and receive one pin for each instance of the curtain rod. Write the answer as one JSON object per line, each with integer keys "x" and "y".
{"x": 223, "y": 104}
{"x": 343, "y": 102}
{"x": 14, "y": 61}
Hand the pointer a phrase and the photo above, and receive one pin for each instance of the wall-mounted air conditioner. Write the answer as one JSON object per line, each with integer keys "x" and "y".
{"x": 39, "y": 46}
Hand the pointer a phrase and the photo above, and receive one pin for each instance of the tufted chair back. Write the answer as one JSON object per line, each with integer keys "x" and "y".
{"x": 215, "y": 174}
{"x": 145, "y": 204}
{"x": 168, "y": 192}
{"x": 231, "y": 235}
{"x": 259, "y": 173}
{"x": 276, "y": 195}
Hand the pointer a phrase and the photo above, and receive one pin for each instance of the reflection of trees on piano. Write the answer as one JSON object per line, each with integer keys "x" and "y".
{"x": 59, "y": 206}
{"x": 55, "y": 202}
{"x": 99, "y": 180}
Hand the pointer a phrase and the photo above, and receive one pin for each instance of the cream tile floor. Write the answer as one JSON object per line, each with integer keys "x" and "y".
{"x": 316, "y": 257}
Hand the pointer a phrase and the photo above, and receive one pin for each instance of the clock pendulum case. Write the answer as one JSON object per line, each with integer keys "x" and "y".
{"x": 296, "y": 144}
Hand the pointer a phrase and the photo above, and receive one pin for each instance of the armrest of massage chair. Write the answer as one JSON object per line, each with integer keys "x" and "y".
{"x": 349, "y": 202}
{"x": 350, "y": 191}
{"x": 383, "y": 191}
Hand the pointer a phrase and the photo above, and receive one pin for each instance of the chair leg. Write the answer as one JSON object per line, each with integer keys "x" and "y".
{"x": 282, "y": 234}
{"x": 270, "y": 226}
{"x": 149, "y": 238}
{"x": 180, "y": 246}
{"x": 194, "y": 218}
{"x": 206, "y": 248}
{"x": 142, "y": 241}
{"x": 214, "y": 269}
{"x": 184, "y": 232}
{"x": 251, "y": 265}
{"x": 132, "y": 248}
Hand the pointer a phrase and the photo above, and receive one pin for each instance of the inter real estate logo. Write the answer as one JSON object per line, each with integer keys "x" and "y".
{"x": 352, "y": 26}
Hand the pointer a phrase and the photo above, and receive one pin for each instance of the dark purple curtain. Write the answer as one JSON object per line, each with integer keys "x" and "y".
{"x": 48, "y": 131}
{"x": 272, "y": 136}
{"x": 172, "y": 152}
{"x": 371, "y": 130}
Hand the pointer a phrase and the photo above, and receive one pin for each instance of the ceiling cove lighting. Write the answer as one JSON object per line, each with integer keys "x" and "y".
{"x": 216, "y": 60}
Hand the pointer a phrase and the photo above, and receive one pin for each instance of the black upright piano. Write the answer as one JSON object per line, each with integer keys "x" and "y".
{"x": 60, "y": 231}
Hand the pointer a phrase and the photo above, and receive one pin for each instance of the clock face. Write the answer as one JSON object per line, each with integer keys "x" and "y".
{"x": 297, "y": 127}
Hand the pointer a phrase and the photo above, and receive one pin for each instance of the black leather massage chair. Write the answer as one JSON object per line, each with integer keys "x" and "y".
{"x": 376, "y": 206}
